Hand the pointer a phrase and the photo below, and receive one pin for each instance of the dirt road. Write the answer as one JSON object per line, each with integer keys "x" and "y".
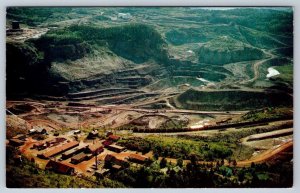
{"x": 267, "y": 155}
{"x": 261, "y": 158}
{"x": 257, "y": 65}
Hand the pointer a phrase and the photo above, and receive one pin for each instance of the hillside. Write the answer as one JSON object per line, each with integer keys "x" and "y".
{"x": 86, "y": 49}
{"x": 149, "y": 97}
{"x": 223, "y": 50}
{"x": 82, "y": 52}
{"x": 229, "y": 100}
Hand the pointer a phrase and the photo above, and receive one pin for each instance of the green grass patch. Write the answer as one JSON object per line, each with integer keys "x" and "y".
{"x": 268, "y": 113}
{"x": 179, "y": 148}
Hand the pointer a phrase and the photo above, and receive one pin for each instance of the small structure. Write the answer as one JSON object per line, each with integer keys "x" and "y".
{"x": 57, "y": 141}
{"x": 40, "y": 146}
{"x": 41, "y": 130}
{"x": 94, "y": 149}
{"x": 113, "y": 162}
{"x": 101, "y": 172}
{"x": 93, "y": 134}
{"x": 58, "y": 150}
{"x": 51, "y": 143}
{"x": 114, "y": 137}
{"x": 37, "y": 130}
{"x": 109, "y": 133}
{"x": 15, "y": 25}
{"x": 116, "y": 167}
{"x": 72, "y": 152}
{"x": 59, "y": 168}
{"x": 15, "y": 28}
{"x": 20, "y": 137}
{"x": 115, "y": 148}
{"x": 16, "y": 142}
{"x": 136, "y": 158}
{"x": 76, "y": 132}
{"x": 80, "y": 157}
{"x": 31, "y": 131}
{"x": 107, "y": 143}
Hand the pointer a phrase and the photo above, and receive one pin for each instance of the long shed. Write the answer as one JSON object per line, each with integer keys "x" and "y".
{"x": 58, "y": 150}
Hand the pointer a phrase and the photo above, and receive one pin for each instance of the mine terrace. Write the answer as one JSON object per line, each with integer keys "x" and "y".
{"x": 151, "y": 97}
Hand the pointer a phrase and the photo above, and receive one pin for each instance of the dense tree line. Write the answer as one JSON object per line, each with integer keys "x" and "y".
{"x": 179, "y": 148}
{"x": 136, "y": 42}
{"x": 194, "y": 175}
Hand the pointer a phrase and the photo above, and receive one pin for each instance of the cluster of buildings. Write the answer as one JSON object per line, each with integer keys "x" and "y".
{"x": 64, "y": 154}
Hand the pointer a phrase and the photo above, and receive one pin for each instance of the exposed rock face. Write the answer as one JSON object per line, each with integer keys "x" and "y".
{"x": 78, "y": 57}
{"x": 224, "y": 50}
{"x": 231, "y": 99}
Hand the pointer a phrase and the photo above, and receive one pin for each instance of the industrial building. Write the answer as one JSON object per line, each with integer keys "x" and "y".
{"x": 101, "y": 172}
{"x": 93, "y": 134}
{"x": 59, "y": 168}
{"x": 115, "y": 148}
{"x": 95, "y": 149}
{"x": 80, "y": 157}
{"x": 137, "y": 158}
{"x": 114, "y": 163}
{"x": 16, "y": 142}
{"x": 72, "y": 152}
{"x": 58, "y": 150}
{"x": 114, "y": 137}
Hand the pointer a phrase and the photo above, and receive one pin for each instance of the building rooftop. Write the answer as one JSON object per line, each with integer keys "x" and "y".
{"x": 60, "y": 149}
{"x": 19, "y": 136}
{"x": 116, "y": 146}
{"x": 115, "y": 166}
{"x": 114, "y": 137}
{"x": 79, "y": 156}
{"x": 59, "y": 167}
{"x": 138, "y": 157}
{"x": 95, "y": 147}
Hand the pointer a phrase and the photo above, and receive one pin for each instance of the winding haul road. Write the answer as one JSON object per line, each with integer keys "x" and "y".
{"x": 261, "y": 158}
{"x": 267, "y": 155}
{"x": 100, "y": 108}
{"x": 257, "y": 65}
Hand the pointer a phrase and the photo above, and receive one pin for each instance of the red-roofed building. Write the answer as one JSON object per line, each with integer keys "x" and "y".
{"x": 59, "y": 168}
{"x": 140, "y": 159}
{"x": 72, "y": 152}
{"x": 111, "y": 160}
{"x": 107, "y": 143}
{"x": 58, "y": 150}
{"x": 95, "y": 149}
{"x": 114, "y": 137}
{"x": 115, "y": 148}
{"x": 80, "y": 157}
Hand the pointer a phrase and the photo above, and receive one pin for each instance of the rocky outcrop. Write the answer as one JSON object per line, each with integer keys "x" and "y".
{"x": 224, "y": 50}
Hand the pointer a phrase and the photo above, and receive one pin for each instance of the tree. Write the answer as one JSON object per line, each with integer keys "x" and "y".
{"x": 163, "y": 163}
{"x": 234, "y": 163}
{"x": 229, "y": 161}
{"x": 241, "y": 175}
{"x": 222, "y": 162}
{"x": 179, "y": 162}
{"x": 155, "y": 156}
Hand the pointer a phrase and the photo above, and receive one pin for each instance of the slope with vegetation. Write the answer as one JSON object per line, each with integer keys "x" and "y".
{"x": 224, "y": 49}
{"x": 229, "y": 100}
